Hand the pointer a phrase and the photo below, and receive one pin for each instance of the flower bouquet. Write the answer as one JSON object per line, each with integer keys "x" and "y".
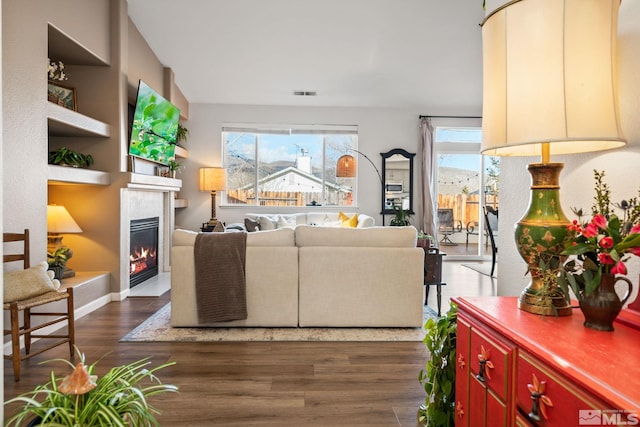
{"x": 598, "y": 250}
{"x": 602, "y": 245}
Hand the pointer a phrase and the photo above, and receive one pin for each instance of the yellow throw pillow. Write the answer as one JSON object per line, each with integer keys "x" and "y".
{"x": 342, "y": 216}
{"x": 351, "y": 222}
{"x": 34, "y": 281}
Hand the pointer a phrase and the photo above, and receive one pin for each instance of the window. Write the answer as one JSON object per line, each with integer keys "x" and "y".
{"x": 287, "y": 166}
{"x": 467, "y": 181}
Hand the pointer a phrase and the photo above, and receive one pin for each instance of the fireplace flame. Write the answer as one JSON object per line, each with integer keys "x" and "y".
{"x": 141, "y": 259}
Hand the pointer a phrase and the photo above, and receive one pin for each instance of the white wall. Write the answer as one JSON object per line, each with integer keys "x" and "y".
{"x": 380, "y": 130}
{"x": 576, "y": 180}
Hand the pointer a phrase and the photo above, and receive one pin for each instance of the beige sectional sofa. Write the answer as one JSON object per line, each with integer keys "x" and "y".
{"x": 308, "y": 276}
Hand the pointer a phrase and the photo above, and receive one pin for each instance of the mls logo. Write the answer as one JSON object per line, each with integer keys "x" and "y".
{"x": 589, "y": 417}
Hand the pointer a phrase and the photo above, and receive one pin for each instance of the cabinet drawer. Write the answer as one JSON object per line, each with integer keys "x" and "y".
{"x": 490, "y": 361}
{"x": 562, "y": 402}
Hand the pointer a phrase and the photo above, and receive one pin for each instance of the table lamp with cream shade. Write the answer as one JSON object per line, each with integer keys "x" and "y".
{"x": 213, "y": 179}
{"x": 59, "y": 222}
{"x": 549, "y": 71}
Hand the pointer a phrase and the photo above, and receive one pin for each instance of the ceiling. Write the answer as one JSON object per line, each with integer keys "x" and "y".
{"x": 424, "y": 54}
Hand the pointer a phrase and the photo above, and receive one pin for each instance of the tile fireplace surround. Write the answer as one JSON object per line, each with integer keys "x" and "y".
{"x": 152, "y": 197}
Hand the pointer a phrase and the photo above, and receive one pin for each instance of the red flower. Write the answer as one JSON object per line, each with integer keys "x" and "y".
{"x": 635, "y": 251}
{"x": 606, "y": 242}
{"x": 605, "y": 258}
{"x": 619, "y": 268}
{"x": 635, "y": 229}
{"x": 591, "y": 230}
{"x": 600, "y": 221}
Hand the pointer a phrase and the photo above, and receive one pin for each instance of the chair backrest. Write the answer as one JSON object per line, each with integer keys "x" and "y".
{"x": 492, "y": 219}
{"x": 491, "y": 222}
{"x": 17, "y": 237}
{"x": 445, "y": 217}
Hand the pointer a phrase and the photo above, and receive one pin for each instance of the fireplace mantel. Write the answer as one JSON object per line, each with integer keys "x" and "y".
{"x": 151, "y": 182}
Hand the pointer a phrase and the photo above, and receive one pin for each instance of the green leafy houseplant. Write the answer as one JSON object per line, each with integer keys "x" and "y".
{"x": 67, "y": 157}
{"x": 401, "y": 217}
{"x": 439, "y": 375}
{"x": 118, "y": 398}
{"x": 182, "y": 133}
{"x": 57, "y": 260}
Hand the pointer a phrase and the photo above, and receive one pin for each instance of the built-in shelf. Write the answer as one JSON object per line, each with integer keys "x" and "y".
{"x": 68, "y": 175}
{"x": 181, "y": 203}
{"x": 181, "y": 152}
{"x": 63, "y": 47}
{"x": 65, "y": 122}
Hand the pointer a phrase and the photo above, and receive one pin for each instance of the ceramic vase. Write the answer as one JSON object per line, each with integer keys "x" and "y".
{"x": 602, "y": 307}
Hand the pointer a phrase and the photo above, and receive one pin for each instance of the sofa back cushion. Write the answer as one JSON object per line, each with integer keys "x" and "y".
{"x": 356, "y": 237}
{"x": 279, "y": 237}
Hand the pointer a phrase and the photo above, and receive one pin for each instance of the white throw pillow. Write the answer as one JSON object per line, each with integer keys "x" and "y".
{"x": 286, "y": 221}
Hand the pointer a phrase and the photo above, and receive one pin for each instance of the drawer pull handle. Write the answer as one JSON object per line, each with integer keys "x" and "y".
{"x": 461, "y": 362}
{"x": 485, "y": 364}
{"x": 539, "y": 401}
{"x": 459, "y": 409}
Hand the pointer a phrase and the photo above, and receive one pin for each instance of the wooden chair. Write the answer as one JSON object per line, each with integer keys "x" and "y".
{"x": 27, "y": 329}
{"x": 491, "y": 222}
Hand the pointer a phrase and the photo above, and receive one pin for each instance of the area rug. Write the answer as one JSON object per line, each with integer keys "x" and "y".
{"x": 157, "y": 328}
{"x": 483, "y": 268}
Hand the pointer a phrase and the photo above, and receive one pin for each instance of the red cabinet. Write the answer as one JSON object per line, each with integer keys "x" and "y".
{"x": 519, "y": 369}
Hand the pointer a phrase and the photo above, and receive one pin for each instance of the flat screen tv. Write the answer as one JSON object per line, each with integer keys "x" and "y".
{"x": 154, "y": 127}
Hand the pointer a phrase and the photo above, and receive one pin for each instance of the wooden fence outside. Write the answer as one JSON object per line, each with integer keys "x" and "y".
{"x": 466, "y": 207}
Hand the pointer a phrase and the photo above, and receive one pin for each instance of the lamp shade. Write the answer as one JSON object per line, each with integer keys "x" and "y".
{"x": 213, "y": 179}
{"x": 60, "y": 221}
{"x": 346, "y": 167}
{"x": 549, "y": 71}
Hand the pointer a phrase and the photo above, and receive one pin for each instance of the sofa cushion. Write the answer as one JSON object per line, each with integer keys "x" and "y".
{"x": 280, "y": 237}
{"x": 373, "y": 236}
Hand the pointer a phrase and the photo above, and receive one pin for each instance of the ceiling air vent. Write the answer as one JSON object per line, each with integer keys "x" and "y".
{"x": 305, "y": 93}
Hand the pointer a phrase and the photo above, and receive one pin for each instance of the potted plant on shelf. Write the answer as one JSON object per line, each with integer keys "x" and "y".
{"x": 182, "y": 134}
{"x": 401, "y": 216}
{"x": 67, "y": 157}
{"x": 117, "y": 398}
{"x": 439, "y": 375}
{"x": 57, "y": 261}
{"x": 425, "y": 240}
{"x": 174, "y": 167}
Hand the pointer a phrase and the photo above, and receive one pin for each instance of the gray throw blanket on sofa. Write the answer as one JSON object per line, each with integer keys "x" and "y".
{"x": 220, "y": 276}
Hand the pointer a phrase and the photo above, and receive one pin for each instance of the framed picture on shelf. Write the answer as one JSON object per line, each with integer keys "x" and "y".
{"x": 62, "y": 95}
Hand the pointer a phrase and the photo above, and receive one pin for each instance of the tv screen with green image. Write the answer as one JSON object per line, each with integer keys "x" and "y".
{"x": 154, "y": 127}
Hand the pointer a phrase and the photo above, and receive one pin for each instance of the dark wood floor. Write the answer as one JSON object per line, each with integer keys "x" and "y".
{"x": 253, "y": 383}
{"x": 262, "y": 383}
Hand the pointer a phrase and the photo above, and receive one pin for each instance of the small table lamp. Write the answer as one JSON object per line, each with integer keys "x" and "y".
{"x": 549, "y": 88}
{"x": 213, "y": 179}
{"x": 60, "y": 221}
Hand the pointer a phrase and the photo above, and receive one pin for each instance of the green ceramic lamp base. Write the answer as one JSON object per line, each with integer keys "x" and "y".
{"x": 540, "y": 233}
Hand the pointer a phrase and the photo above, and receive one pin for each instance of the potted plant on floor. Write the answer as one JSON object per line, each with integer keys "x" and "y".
{"x": 118, "y": 398}
{"x": 439, "y": 375}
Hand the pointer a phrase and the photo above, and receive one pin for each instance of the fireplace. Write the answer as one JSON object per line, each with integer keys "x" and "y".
{"x": 143, "y": 252}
